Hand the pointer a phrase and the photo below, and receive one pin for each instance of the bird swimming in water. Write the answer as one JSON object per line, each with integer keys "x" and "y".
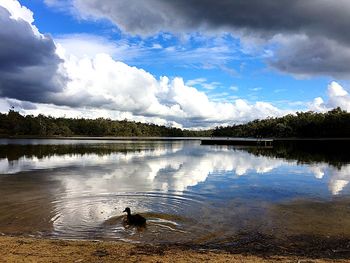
{"x": 136, "y": 220}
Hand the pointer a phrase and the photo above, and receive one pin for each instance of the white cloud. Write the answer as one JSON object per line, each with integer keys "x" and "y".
{"x": 234, "y": 88}
{"x": 203, "y": 82}
{"x": 337, "y": 97}
{"x": 18, "y": 11}
{"x": 335, "y": 90}
{"x": 318, "y": 105}
{"x": 100, "y": 82}
{"x": 82, "y": 45}
{"x": 256, "y": 89}
{"x": 88, "y": 45}
{"x": 194, "y": 82}
{"x": 103, "y": 82}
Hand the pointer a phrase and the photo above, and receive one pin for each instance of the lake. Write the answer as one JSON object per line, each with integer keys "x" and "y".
{"x": 189, "y": 193}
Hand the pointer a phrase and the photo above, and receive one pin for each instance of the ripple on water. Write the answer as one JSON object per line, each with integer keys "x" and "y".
{"x": 169, "y": 216}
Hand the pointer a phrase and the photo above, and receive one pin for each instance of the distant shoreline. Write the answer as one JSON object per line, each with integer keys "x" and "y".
{"x": 164, "y": 138}
{"x": 102, "y": 138}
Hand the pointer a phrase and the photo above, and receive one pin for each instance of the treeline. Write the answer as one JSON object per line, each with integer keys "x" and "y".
{"x": 335, "y": 123}
{"x": 15, "y": 124}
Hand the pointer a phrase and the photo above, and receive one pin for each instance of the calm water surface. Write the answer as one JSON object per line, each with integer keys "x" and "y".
{"x": 189, "y": 193}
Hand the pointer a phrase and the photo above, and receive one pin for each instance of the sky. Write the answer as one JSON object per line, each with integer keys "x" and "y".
{"x": 187, "y": 63}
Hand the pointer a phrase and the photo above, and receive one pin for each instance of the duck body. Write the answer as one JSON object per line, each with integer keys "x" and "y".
{"x": 136, "y": 220}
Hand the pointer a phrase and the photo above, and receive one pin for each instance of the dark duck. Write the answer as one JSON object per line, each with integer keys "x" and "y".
{"x": 136, "y": 220}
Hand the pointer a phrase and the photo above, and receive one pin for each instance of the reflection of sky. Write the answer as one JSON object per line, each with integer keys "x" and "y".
{"x": 176, "y": 167}
{"x": 338, "y": 178}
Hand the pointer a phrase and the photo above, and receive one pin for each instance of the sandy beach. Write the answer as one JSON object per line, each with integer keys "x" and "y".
{"x": 20, "y": 249}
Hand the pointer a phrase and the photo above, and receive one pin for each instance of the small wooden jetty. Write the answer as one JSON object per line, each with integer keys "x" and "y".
{"x": 238, "y": 141}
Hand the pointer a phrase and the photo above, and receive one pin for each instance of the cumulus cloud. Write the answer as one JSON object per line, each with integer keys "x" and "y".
{"x": 101, "y": 81}
{"x": 29, "y": 65}
{"x": 250, "y": 19}
{"x": 337, "y": 97}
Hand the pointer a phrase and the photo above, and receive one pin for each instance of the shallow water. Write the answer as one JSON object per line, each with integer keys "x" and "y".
{"x": 189, "y": 193}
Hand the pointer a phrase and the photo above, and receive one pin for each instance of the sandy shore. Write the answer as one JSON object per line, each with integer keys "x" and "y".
{"x": 19, "y": 249}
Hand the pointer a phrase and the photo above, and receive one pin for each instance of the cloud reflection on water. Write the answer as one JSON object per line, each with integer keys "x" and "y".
{"x": 163, "y": 168}
{"x": 175, "y": 168}
{"x": 92, "y": 186}
{"x": 338, "y": 178}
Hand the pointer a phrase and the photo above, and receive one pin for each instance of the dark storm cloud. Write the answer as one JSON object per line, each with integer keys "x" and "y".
{"x": 313, "y": 56}
{"x": 265, "y": 19}
{"x": 28, "y": 63}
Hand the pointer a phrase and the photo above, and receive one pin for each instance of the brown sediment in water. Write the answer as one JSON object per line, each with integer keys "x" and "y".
{"x": 316, "y": 218}
{"x": 19, "y": 249}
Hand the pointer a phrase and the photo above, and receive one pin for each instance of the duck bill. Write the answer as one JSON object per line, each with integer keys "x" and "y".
{"x": 124, "y": 211}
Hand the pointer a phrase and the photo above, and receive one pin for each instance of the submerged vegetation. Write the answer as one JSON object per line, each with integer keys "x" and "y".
{"x": 335, "y": 123}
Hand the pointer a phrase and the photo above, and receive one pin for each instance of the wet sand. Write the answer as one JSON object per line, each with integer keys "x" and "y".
{"x": 20, "y": 249}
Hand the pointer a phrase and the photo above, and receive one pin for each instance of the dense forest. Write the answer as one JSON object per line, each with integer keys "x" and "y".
{"x": 335, "y": 123}
{"x": 15, "y": 124}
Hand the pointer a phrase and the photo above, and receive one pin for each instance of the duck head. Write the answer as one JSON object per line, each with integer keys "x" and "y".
{"x": 127, "y": 210}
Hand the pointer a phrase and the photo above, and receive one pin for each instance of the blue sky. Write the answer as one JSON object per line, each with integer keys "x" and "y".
{"x": 178, "y": 64}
